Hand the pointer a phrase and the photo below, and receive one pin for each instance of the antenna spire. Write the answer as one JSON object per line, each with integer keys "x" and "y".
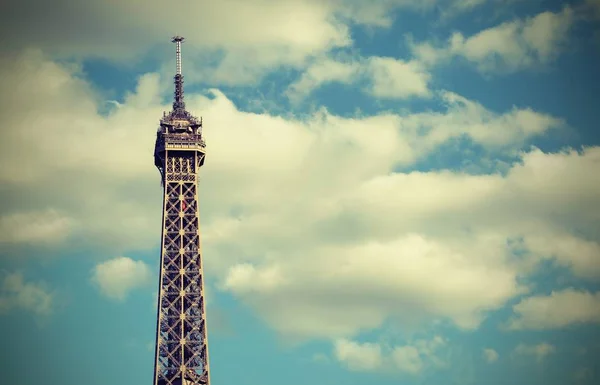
{"x": 178, "y": 104}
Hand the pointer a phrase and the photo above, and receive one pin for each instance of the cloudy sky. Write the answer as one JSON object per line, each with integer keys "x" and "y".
{"x": 395, "y": 191}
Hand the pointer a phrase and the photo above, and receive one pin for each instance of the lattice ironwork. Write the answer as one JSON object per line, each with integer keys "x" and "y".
{"x": 181, "y": 334}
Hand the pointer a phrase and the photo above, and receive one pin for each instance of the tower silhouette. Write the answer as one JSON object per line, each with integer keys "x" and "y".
{"x": 181, "y": 350}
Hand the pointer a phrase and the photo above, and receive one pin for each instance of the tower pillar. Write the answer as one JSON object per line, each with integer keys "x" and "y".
{"x": 181, "y": 348}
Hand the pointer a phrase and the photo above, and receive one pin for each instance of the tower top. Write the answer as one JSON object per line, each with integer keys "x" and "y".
{"x": 179, "y": 115}
{"x": 179, "y": 130}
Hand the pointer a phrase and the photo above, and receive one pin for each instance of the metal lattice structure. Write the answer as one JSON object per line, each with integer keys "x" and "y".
{"x": 181, "y": 337}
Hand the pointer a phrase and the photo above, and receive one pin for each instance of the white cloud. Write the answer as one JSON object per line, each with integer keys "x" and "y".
{"x": 469, "y": 118}
{"x": 247, "y": 277}
{"x": 397, "y": 79}
{"x": 47, "y": 226}
{"x": 557, "y": 310}
{"x": 380, "y": 13}
{"x": 508, "y": 47}
{"x": 93, "y": 190}
{"x": 72, "y": 183}
{"x": 490, "y": 355}
{"x": 228, "y": 41}
{"x": 466, "y": 4}
{"x": 320, "y": 73}
{"x": 321, "y": 358}
{"x": 539, "y": 351}
{"x": 407, "y": 359}
{"x": 387, "y": 77}
{"x": 472, "y": 270}
{"x": 411, "y": 359}
{"x": 262, "y": 26}
{"x": 382, "y": 280}
{"x": 117, "y": 277}
{"x": 15, "y": 292}
{"x": 223, "y": 24}
{"x": 580, "y": 254}
{"x": 359, "y": 357}
{"x": 326, "y": 239}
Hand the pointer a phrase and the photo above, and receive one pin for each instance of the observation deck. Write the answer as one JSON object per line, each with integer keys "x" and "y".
{"x": 180, "y": 141}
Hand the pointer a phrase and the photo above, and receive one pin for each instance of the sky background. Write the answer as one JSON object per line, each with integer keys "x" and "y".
{"x": 395, "y": 191}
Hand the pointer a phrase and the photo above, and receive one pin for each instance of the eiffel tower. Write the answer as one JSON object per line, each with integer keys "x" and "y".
{"x": 181, "y": 349}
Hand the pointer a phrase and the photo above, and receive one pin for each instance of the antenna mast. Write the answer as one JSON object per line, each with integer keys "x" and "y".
{"x": 178, "y": 104}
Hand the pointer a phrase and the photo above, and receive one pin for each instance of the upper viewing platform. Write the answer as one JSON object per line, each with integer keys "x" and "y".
{"x": 183, "y": 134}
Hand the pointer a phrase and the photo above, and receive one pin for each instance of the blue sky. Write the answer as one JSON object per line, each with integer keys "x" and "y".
{"x": 395, "y": 192}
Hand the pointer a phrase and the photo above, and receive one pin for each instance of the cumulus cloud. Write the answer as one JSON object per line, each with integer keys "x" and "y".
{"x": 228, "y": 41}
{"x": 320, "y": 73}
{"x": 387, "y": 77}
{"x": 463, "y": 5}
{"x": 359, "y": 357}
{"x": 16, "y": 293}
{"x": 490, "y": 355}
{"x": 224, "y": 24}
{"x": 378, "y": 280}
{"x": 579, "y": 254}
{"x": 468, "y": 118}
{"x": 48, "y": 226}
{"x": 231, "y": 25}
{"x": 72, "y": 182}
{"x": 557, "y": 310}
{"x": 411, "y": 359}
{"x": 396, "y": 271}
{"x": 508, "y": 47}
{"x": 244, "y": 275}
{"x": 539, "y": 351}
{"x": 308, "y": 220}
{"x": 117, "y": 277}
{"x": 83, "y": 185}
{"x": 407, "y": 359}
{"x": 393, "y": 78}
